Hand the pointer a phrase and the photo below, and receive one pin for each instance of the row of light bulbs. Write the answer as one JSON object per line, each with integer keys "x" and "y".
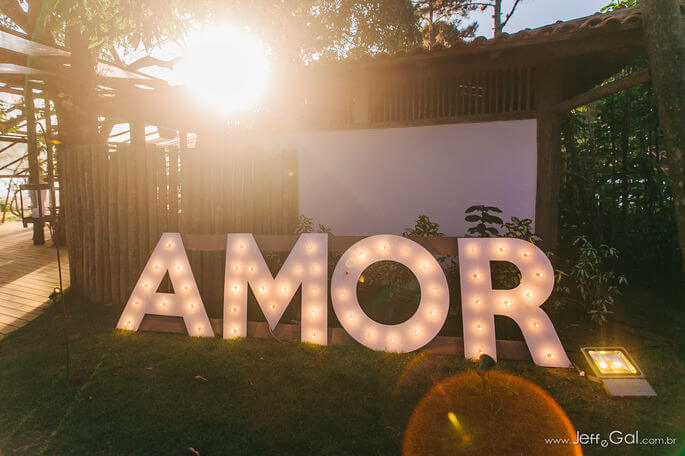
{"x": 246, "y": 267}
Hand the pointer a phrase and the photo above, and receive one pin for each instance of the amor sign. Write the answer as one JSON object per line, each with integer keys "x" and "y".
{"x": 306, "y": 267}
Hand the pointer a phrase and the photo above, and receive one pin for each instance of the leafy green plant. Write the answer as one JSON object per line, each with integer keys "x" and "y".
{"x": 521, "y": 229}
{"x": 589, "y": 283}
{"x": 424, "y": 228}
{"x": 484, "y": 221}
{"x": 324, "y": 229}
{"x": 306, "y": 225}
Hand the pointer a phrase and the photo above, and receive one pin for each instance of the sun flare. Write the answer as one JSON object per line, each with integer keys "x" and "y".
{"x": 225, "y": 67}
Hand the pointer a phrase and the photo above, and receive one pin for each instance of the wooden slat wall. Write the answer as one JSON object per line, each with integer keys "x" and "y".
{"x": 119, "y": 202}
{"x": 407, "y": 98}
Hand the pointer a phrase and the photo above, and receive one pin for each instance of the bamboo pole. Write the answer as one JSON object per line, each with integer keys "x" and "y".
{"x": 173, "y": 190}
{"x": 82, "y": 202}
{"x": 98, "y": 228}
{"x": 69, "y": 208}
{"x": 152, "y": 189}
{"x": 122, "y": 201}
{"x": 144, "y": 247}
{"x": 107, "y": 232}
{"x": 113, "y": 229}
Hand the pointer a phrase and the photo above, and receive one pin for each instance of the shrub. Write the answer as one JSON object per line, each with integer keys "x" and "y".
{"x": 423, "y": 228}
{"x": 589, "y": 284}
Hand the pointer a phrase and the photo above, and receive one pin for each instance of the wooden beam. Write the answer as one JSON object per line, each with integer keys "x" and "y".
{"x": 7, "y": 147}
{"x": 285, "y": 242}
{"x": 597, "y": 93}
{"x": 14, "y": 139}
{"x": 547, "y": 95}
{"x": 13, "y": 161}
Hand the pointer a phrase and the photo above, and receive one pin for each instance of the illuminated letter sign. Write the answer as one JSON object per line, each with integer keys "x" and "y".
{"x": 169, "y": 255}
{"x": 306, "y": 267}
{"x": 414, "y": 333}
{"x": 480, "y": 303}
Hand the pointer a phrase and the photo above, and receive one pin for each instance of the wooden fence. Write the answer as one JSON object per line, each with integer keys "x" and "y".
{"x": 117, "y": 204}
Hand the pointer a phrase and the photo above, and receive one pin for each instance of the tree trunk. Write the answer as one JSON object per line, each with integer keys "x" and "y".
{"x": 665, "y": 44}
{"x": 80, "y": 125}
{"x": 430, "y": 26}
{"x": 76, "y": 106}
{"x": 498, "y": 18}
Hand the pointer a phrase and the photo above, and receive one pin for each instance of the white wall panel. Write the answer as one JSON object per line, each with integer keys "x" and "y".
{"x": 365, "y": 182}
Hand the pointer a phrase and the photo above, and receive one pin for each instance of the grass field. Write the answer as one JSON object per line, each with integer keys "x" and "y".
{"x": 165, "y": 394}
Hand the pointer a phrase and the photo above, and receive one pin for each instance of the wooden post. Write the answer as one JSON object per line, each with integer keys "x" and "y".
{"x": 50, "y": 150}
{"x": 34, "y": 169}
{"x": 547, "y": 94}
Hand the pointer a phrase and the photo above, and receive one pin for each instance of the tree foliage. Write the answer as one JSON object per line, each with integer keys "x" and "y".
{"x": 616, "y": 188}
{"x": 441, "y": 21}
{"x": 126, "y": 23}
{"x": 320, "y": 29}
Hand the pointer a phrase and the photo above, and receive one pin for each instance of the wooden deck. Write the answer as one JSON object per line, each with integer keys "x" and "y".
{"x": 28, "y": 274}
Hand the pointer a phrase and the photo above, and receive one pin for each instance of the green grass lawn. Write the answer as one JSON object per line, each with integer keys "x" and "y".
{"x": 164, "y": 394}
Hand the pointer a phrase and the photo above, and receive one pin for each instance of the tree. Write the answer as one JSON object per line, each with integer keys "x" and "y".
{"x": 496, "y": 6}
{"x": 296, "y": 30}
{"x": 442, "y": 20}
{"x": 665, "y": 42}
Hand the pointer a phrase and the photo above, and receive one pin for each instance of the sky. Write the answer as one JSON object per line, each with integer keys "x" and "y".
{"x": 536, "y": 13}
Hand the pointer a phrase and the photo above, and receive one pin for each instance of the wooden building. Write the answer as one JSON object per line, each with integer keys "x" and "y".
{"x": 117, "y": 199}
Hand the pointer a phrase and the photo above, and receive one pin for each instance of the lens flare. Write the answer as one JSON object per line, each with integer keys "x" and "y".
{"x": 458, "y": 417}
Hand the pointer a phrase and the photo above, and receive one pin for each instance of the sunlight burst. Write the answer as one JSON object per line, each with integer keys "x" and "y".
{"x": 225, "y": 67}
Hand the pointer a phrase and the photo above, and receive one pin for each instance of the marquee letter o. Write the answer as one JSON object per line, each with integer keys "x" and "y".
{"x": 431, "y": 314}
